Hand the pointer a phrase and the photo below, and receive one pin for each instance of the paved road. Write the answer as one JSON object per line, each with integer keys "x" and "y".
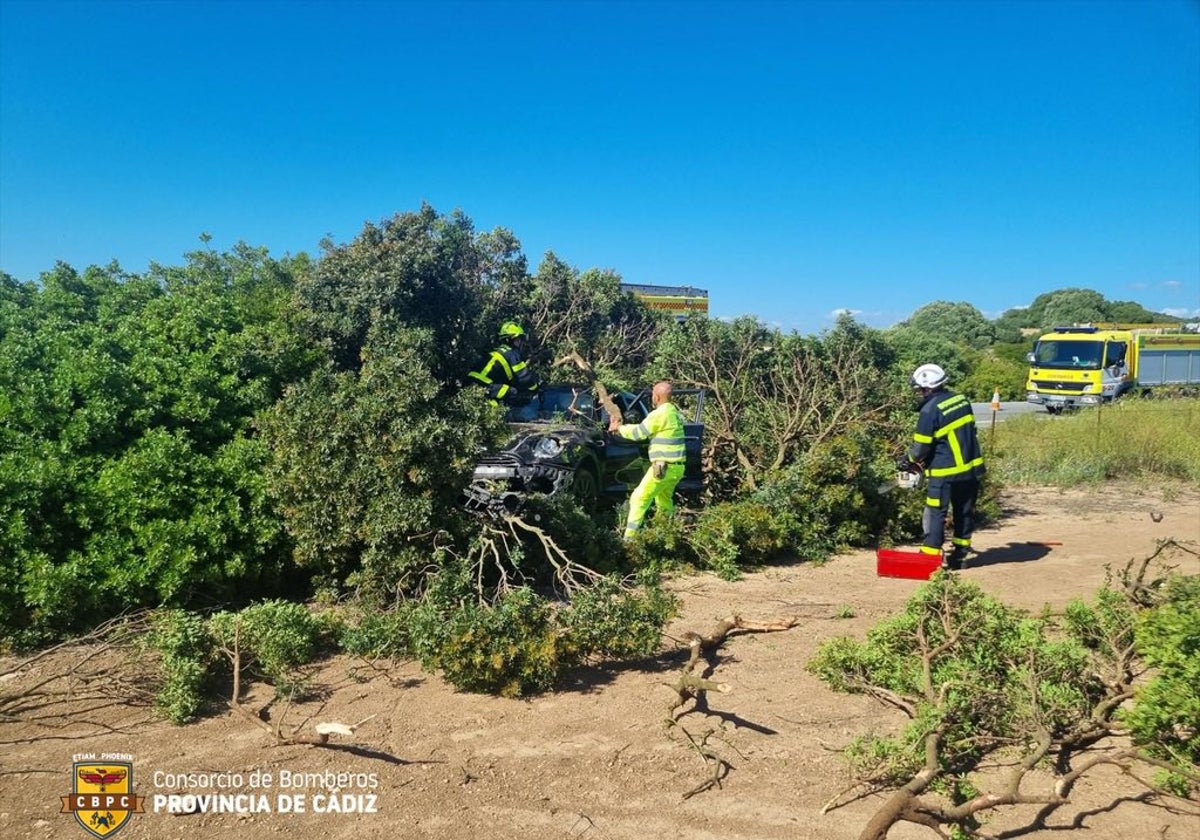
{"x": 983, "y": 411}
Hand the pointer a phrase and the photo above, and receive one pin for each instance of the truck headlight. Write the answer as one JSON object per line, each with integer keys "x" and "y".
{"x": 547, "y": 448}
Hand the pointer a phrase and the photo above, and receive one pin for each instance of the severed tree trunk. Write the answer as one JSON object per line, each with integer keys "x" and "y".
{"x": 606, "y": 399}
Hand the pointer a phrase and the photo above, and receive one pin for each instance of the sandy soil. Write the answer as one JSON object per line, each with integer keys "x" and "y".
{"x": 595, "y": 760}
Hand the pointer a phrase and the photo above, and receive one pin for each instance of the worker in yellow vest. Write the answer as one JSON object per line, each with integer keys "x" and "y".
{"x": 663, "y": 427}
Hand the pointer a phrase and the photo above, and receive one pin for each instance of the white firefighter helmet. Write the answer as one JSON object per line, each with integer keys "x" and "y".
{"x": 928, "y": 376}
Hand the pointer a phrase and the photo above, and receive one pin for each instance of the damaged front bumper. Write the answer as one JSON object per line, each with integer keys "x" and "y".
{"x": 501, "y": 487}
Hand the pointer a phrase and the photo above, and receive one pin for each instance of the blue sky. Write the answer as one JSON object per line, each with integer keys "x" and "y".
{"x": 794, "y": 158}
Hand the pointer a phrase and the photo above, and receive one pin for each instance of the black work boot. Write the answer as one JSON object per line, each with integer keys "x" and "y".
{"x": 955, "y": 559}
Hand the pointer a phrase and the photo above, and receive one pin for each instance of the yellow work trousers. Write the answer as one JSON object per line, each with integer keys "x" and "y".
{"x": 657, "y": 491}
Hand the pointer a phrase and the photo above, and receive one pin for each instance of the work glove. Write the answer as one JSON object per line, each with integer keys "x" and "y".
{"x": 905, "y": 465}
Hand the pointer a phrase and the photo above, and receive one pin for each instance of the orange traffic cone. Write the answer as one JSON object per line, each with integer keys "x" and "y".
{"x": 996, "y": 399}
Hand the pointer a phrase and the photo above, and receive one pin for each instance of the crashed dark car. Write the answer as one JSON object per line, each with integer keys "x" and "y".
{"x": 561, "y": 444}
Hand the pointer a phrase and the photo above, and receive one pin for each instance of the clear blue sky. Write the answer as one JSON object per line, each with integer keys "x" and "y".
{"x": 794, "y": 158}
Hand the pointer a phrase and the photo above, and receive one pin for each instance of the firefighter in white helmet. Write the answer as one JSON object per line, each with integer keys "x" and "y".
{"x": 946, "y": 447}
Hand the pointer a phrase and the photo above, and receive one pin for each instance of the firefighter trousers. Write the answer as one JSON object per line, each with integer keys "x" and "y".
{"x": 958, "y": 497}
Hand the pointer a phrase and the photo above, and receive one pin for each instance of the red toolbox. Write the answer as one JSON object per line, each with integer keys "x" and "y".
{"x": 906, "y": 564}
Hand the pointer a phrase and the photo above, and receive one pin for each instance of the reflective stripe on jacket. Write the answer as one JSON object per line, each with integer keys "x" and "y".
{"x": 504, "y": 371}
{"x": 664, "y": 428}
{"x": 945, "y": 442}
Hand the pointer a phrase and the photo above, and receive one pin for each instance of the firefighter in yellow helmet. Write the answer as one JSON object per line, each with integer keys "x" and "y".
{"x": 506, "y": 373}
{"x": 664, "y": 428}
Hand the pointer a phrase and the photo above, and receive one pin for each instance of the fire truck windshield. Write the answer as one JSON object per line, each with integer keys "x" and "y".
{"x": 1068, "y": 354}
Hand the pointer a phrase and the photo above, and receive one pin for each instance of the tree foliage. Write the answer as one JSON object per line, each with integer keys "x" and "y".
{"x": 421, "y": 269}
{"x": 524, "y": 644}
{"x": 129, "y": 470}
{"x": 771, "y": 396}
{"x": 1074, "y": 306}
{"x": 1166, "y": 717}
{"x": 960, "y": 321}
{"x": 369, "y": 465}
{"x": 567, "y": 311}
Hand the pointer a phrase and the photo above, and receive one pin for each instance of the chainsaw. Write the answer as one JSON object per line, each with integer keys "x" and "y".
{"x": 908, "y": 477}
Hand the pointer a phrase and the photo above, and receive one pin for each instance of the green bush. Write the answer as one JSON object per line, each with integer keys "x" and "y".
{"x": 979, "y": 674}
{"x": 831, "y": 496}
{"x": 186, "y": 660}
{"x": 369, "y": 465}
{"x": 1165, "y": 716}
{"x": 510, "y": 648}
{"x": 373, "y": 632}
{"x": 523, "y": 642}
{"x": 610, "y": 620}
{"x": 827, "y": 500}
{"x": 730, "y": 536}
{"x": 980, "y": 680}
{"x": 993, "y": 372}
{"x": 983, "y": 654}
{"x": 662, "y": 545}
{"x": 273, "y": 639}
{"x": 129, "y": 471}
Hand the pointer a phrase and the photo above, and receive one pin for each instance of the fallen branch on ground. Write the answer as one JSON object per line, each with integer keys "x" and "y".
{"x": 692, "y": 685}
{"x": 1010, "y": 707}
{"x": 55, "y": 688}
{"x": 324, "y": 729}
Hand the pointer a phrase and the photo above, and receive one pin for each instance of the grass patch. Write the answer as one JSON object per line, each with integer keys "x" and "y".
{"x": 1143, "y": 438}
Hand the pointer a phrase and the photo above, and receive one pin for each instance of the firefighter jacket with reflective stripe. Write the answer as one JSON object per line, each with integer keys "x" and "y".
{"x": 946, "y": 443}
{"x": 664, "y": 428}
{"x": 505, "y": 373}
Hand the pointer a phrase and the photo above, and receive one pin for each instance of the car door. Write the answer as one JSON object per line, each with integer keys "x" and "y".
{"x": 690, "y": 402}
{"x": 625, "y": 460}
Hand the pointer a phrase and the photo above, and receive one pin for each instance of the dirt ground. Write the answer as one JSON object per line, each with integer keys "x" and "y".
{"x": 594, "y": 760}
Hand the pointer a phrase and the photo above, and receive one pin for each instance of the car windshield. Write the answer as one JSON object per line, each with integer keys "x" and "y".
{"x": 557, "y": 402}
{"x": 1058, "y": 353}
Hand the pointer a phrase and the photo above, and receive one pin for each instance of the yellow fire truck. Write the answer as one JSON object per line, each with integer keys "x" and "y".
{"x": 1093, "y": 363}
{"x": 680, "y": 301}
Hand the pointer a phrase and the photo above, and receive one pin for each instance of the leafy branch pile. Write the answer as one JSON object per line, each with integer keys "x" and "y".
{"x": 984, "y": 683}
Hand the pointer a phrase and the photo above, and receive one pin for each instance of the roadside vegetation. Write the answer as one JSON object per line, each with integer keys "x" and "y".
{"x": 243, "y": 433}
{"x": 1139, "y": 439}
{"x": 222, "y": 472}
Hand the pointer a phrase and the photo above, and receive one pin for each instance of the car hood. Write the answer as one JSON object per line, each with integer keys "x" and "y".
{"x": 549, "y": 426}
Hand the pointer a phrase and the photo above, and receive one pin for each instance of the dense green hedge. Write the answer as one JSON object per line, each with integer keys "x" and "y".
{"x": 129, "y": 470}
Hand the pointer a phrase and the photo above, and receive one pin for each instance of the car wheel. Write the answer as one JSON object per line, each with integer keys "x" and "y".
{"x": 585, "y": 489}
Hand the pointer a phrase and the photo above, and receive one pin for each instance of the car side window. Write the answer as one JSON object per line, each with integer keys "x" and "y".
{"x": 633, "y": 409}
{"x": 582, "y": 405}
